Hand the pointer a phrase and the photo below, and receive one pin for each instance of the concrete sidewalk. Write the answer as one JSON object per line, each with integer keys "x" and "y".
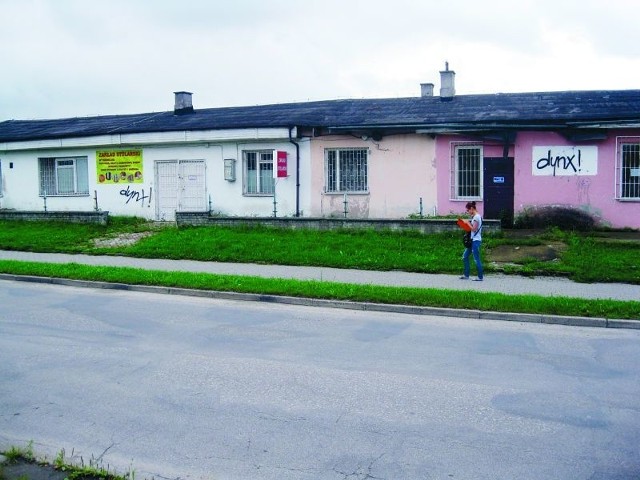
{"x": 508, "y": 284}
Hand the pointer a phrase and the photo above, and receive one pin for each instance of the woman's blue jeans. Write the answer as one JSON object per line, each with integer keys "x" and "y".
{"x": 475, "y": 250}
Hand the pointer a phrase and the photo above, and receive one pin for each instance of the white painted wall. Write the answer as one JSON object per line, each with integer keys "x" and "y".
{"x": 20, "y": 184}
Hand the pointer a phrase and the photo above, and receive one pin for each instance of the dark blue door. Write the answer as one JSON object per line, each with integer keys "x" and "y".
{"x": 498, "y": 189}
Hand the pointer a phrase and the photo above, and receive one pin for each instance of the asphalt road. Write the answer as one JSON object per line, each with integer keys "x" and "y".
{"x": 194, "y": 388}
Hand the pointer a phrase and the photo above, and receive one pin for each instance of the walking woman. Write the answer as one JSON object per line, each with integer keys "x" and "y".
{"x": 474, "y": 249}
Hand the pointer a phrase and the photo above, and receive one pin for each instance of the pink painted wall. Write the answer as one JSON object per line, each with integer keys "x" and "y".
{"x": 401, "y": 170}
{"x": 444, "y": 151}
{"x": 592, "y": 193}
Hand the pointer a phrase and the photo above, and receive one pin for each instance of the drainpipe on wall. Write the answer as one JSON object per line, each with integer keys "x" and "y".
{"x": 508, "y": 139}
{"x": 297, "y": 172}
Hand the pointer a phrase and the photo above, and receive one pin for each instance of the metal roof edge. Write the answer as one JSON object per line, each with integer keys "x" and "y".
{"x": 150, "y": 138}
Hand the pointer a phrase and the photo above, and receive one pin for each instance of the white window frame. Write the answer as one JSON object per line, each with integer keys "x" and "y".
{"x": 261, "y": 183}
{"x": 628, "y": 164}
{"x": 465, "y": 183}
{"x": 52, "y": 170}
{"x": 346, "y": 170}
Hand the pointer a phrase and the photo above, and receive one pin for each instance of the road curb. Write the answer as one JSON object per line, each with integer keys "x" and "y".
{"x": 343, "y": 304}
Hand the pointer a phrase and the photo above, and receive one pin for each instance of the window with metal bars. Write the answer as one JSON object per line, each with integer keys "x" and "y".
{"x": 346, "y": 170}
{"x": 466, "y": 172}
{"x": 258, "y": 173}
{"x": 64, "y": 176}
{"x": 628, "y": 178}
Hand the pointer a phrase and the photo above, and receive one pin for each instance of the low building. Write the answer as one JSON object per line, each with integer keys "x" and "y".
{"x": 365, "y": 158}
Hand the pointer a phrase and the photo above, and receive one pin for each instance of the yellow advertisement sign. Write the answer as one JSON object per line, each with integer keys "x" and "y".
{"x": 119, "y": 166}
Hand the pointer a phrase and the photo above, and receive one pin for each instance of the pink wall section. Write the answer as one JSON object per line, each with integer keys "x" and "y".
{"x": 401, "y": 170}
{"x": 444, "y": 151}
{"x": 592, "y": 193}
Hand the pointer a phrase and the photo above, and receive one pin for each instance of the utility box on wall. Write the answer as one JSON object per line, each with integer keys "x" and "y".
{"x": 230, "y": 169}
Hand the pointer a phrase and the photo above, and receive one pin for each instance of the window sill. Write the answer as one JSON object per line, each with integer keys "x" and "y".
{"x": 64, "y": 195}
{"x": 341, "y": 194}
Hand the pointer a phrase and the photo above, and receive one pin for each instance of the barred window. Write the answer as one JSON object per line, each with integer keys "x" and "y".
{"x": 258, "y": 173}
{"x": 64, "y": 176}
{"x": 466, "y": 172}
{"x": 629, "y": 172}
{"x": 346, "y": 170}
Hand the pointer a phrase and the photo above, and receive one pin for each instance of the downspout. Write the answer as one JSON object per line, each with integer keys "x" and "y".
{"x": 508, "y": 139}
{"x": 297, "y": 172}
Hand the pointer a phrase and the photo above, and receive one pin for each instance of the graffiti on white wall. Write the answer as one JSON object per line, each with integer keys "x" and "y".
{"x": 565, "y": 161}
{"x": 135, "y": 195}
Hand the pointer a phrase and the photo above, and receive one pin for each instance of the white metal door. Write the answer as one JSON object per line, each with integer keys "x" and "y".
{"x": 180, "y": 187}
{"x": 167, "y": 190}
{"x": 192, "y": 196}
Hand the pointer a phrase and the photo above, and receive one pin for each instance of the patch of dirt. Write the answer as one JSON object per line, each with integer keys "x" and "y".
{"x": 123, "y": 240}
{"x": 31, "y": 471}
{"x": 517, "y": 253}
{"x": 548, "y": 252}
{"x": 28, "y": 470}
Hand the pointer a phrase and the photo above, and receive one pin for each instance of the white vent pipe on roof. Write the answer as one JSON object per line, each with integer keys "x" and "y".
{"x": 426, "y": 89}
{"x": 447, "y": 82}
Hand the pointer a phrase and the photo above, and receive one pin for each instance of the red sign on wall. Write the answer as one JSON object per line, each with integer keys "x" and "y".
{"x": 281, "y": 164}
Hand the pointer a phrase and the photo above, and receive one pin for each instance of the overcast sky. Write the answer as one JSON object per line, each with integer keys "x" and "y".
{"x": 70, "y": 58}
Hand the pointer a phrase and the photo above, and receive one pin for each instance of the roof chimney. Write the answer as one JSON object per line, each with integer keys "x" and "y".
{"x": 447, "y": 83}
{"x": 183, "y": 103}
{"x": 426, "y": 89}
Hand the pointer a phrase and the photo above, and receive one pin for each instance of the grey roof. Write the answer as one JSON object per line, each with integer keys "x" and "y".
{"x": 502, "y": 110}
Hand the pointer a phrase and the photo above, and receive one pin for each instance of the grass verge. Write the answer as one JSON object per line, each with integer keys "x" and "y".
{"x": 468, "y": 300}
{"x": 94, "y": 470}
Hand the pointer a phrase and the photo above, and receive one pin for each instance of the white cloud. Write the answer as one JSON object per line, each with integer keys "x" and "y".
{"x": 88, "y": 57}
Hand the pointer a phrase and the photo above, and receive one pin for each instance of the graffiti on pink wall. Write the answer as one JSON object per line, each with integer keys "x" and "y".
{"x": 565, "y": 161}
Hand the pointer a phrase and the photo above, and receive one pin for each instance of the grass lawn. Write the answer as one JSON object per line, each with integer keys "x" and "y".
{"x": 586, "y": 258}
